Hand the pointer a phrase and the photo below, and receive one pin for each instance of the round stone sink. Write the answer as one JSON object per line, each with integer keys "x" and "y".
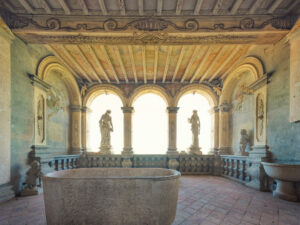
{"x": 111, "y": 196}
{"x": 285, "y": 174}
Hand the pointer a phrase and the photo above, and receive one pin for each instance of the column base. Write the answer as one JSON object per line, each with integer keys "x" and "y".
{"x": 75, "y": 151}
{"x": 172, "y": 151}
{"x": 127, "y": 151}
{"x": 6, "y": 192}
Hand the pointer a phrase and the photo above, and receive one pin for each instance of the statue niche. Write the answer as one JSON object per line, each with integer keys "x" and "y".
{"x": 260, "y": 115}
{"x": 195, "y": 128}
{"x": 244, "y": 141}
{"x": 106, "y": 126}
{"x": 40, "y": 119}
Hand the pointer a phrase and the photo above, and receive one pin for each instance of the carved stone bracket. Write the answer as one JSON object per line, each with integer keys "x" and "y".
{"x": 225, "y": 107}
{"x": 38, "y": 82}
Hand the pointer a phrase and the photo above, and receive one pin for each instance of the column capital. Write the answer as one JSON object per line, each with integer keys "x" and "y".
{"x": 172, "y": 109}
{"x": 127, "y": 109}
{"x": 214, "y": 109}
{"x": 84, "y": 109}
{"x": 75, "y": 108}
{"x": 225, "y": 107}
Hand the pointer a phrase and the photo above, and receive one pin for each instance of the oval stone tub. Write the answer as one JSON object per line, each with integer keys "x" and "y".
{"x": 111, "y": 196}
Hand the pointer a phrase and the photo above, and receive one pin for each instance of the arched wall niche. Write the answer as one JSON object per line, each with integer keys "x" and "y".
{"x": 100, "y": 89}
{"x": 51, "y": 63}
{"x": 252, "y": 65}
{"x": 149, "y": 88}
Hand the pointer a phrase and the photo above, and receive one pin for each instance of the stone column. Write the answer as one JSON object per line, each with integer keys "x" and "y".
{"x": 83, "y": 127}
{"x": 224, "y": 129}
{"x": 127, "y": 150}
{"x": 5, "y": 112}
{"x": 214, "y": 112}
{"x": 172, "y": 149}
{"x": 75, "y": 129}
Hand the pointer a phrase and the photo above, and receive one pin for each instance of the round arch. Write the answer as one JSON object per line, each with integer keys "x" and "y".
{"x": 50, "y": 63}
{"x": 251, "y": 65}
{"x": 150, "y": 88}
{"x": 198, "y": 88}
{"x": 102, "y": 89}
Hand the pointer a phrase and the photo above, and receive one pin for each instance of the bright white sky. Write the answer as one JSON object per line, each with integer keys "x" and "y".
{"x": 149, "y": 123}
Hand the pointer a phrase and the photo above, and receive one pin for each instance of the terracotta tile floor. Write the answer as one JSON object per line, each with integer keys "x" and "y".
{"x": 204, "y": 200}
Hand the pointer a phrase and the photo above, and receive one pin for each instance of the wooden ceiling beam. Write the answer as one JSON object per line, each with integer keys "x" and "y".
{"x": 132, "y": 63}
{"x": 65, "y": 6}
{"x": 51, "y": 49}
{"x": 84, "y": 7}
{"x": 73, "y": 61}
{"x": 198, "y": 7}
{"x": 254, "y": 7}
{"x": 178, "y": 63}
{"x": 191, "y": 61}
{"x": 117, "y": 51}
{"x": 26, "y": 6}
{"x": 159, "y": 7}
{"x": 179, "y": 7}
{"x": 213, "y": 63}
{"x": 274, "y": 6}
{"x": 217, "y": 7}
{"x": 144, "y": 64}
{"x": 292, "y": 6}
{"x": 141, "y": 7}
{"x": 122, "y": 7}
{"x": 88, "y": 63}
{"x": 46, "y": 6}
{"x": 236, "y": 6}
{"x": 200, "y": 66}
{"x": 155, "y": 64}
{"x": 233, "y": 52}
{"x": 110, "y": 63}
{"x": 167, "y": 64}
{"x": 96, "y": 59}
{"x": 9, "y": 6}
{"x": 103, "y": 7}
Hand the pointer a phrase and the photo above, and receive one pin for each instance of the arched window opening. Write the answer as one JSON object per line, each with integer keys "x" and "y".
{"x": 149, "y": 125}
{"x": 97, "y": 108}
{"x": 187, "y": 104}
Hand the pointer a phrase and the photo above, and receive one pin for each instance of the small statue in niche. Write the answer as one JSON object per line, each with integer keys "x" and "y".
{"x": 244, "y": 141}
{"x": 41, "y": 118}
{"x": 33, "y": 174}
{"x": 106, "y": 127}
{"x": 260, "y": 118}
{"x": 195, "y": 127}
{"x": 83, "y": 90}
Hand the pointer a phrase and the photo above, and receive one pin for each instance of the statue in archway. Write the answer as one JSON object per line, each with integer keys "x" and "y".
{"x": 106, "y": 127}
{"x": 244, "y": 141}
{"x": 195, "y": 127}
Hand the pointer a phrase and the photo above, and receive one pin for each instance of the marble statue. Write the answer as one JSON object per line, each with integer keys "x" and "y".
{"x": 106, "y": 127}
{"x": 244, "y": 141}
{"x": 195, "y": 127}
{"x": 32, "y": 175}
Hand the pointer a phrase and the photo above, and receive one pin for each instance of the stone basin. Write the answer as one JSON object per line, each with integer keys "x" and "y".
{"x": 111, "y": 196}
{"x": 286, "y": 175}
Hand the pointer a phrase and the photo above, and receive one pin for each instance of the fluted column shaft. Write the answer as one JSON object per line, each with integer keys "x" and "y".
{"x": 127, "y": 111}
{"x": 172, "y": 114}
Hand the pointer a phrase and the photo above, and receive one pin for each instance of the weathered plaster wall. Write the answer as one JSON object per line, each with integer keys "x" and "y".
{"x": 58, "y": 115}
{"x": 5, "y": 111}
{"x": 24, "y": 59}
{"x": 283, "y": 136}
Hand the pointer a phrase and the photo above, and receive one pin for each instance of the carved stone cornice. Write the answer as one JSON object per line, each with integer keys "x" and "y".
{"x": 225, "y": 107}
{"x": 148, "y": 30}
{"x": 172, "y": 109}
{"x": 35, "y": 81}
{"x": 262, "y": 81}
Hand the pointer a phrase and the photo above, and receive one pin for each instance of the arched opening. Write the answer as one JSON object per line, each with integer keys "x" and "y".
{"x": 97, "y": 107}
{"x": 149, "y": 125}
{"x": 187, "y": 103}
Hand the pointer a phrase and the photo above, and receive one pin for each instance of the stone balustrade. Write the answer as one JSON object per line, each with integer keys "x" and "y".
{"x": 235, "y": 167}
{"x": 196, "y": 164}
{"x": 64, "y": 162}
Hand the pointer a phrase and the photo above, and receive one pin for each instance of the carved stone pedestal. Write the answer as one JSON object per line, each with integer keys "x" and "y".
{"x": 6, "y": 192}
{"x": 195, "y": 151}
{"x": 105, "y": 150}
{"x": 127, "y": 154}
{"x": 29, "y": 192}
{"x": 224, "y": 151}
{"x": 259, "y": 179}
{"x": 173, "y": 159}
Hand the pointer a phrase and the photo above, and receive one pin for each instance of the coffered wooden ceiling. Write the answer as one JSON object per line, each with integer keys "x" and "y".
{"x": 153, "y": 7}
{"x": 149, "y": 64}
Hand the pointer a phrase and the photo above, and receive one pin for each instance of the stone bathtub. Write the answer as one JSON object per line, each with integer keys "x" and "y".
{"x": 111, "y": 196}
